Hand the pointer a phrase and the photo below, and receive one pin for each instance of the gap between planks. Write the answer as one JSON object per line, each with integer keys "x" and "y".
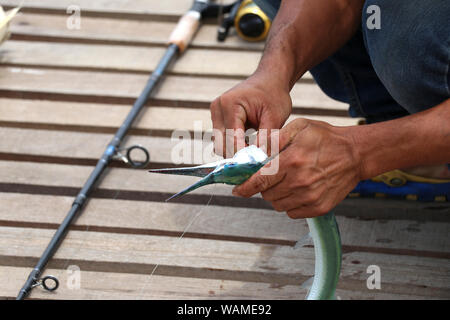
{"x": 53, "y": 28}
{"x": 121, "y": 58}
{"x": 103, "y": 285}
{"x": 226, "y": 260}
{"x": 109, "y": 87}
{"x": 139, "y": 185}
{"x": 123, "y": 9}
{"x": 153, "y": 121}
{"x": 427, "y": 239}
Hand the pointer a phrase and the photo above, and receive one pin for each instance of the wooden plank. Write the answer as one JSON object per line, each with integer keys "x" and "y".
{"x": 200, "y": 62}
{"x": 176, "y": 89}
{"x": 228, "y": 260}
{"x": 78, "y": 148}
{"x": 122, "y": 286}
{"x": 138, "y": 185}
{"x": 51, "y": 27}
{"x": 155, "y": 120}
{"x": 173, "y": 8}
{"x": 76, "y": 145}
{"x": 215, "y": 222}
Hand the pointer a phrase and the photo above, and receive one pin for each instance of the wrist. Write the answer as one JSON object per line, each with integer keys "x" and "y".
{"x": 269, "y": 79}
{"x": 356, "y": 153}
{"x": 375, "y": 154}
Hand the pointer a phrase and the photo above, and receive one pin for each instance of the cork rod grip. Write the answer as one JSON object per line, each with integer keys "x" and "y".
{"x": 185, "y": 30}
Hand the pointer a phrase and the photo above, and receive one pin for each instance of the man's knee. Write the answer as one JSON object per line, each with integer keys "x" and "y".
{"x": 409, "y": 49}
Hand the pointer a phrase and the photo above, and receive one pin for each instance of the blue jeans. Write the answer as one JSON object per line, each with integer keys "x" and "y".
{"x": 399, "y": 69}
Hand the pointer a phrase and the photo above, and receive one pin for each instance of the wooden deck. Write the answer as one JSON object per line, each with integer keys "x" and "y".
{"x": 63, "y": 93}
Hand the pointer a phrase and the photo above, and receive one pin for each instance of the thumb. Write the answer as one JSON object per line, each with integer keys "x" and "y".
{"x": 268, "y": 133}
{"x": 290, "y": 131}
{"x": 234, "y": 121}
{"x": 278, "y": 140}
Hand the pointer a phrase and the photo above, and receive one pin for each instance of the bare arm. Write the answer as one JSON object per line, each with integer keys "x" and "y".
{"x": 415, "y": 140}
{"x": 321, "y": 164}
{"x": 305, "y": 33}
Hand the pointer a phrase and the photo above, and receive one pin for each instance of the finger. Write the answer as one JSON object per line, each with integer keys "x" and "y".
{"x": 276, "y": 193}
{"x": 310, "y": 211}
{"x": 273, "y": 141}
{"x": 258, "y": 183}
{"x": 218, "y": 127}
{"x": 296, "y": 200}
{"x": 268, "y": 134}
{"x": 290, "y": 131}
{"x": 290, "y": 198}
{"x": 234, "y": 118}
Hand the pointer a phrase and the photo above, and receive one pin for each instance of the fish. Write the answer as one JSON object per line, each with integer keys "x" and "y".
{"x": 324, "y": 230}
{"x": 232, "y": 171}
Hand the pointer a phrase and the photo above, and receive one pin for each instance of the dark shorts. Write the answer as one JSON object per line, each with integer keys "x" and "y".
{"x": 399, "y": 69}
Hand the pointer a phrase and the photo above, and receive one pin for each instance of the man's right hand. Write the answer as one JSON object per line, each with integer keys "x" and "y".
{"x": 254, "y": 103}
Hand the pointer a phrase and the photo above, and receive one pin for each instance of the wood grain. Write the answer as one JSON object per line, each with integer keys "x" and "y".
{"x": 64, "y": 92}
{"x": 124, "y": 8}
{"x": 199, "y": 62}
{"x": 200, "y": 258}
{"x": 108, "y": 285}
{"x": 215, "y": 222}
{"x": 154, "y": 120}
{"x": 148, "y": 32}
{"x": 101, "y": 85}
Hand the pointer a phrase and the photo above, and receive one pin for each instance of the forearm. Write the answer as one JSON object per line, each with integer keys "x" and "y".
{"x": 305, "y": 33}
{"x": 415, "y": 140}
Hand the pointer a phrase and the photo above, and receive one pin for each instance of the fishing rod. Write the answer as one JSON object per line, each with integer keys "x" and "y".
{"x": 180, "y": 38}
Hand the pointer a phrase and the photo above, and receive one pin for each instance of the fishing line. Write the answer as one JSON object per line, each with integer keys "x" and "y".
{"x": 85, "y": 232}
{"x": 148, "y": 280}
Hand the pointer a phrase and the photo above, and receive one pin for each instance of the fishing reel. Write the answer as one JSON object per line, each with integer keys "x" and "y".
{"x": 250, "y": 22}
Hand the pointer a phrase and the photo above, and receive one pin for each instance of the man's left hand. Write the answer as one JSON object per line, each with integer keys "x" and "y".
{"x": 318, "y": 166}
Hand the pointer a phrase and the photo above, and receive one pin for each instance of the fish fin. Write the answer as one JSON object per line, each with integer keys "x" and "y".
{"x": 189, "y": 171}
{"x": 307, "y": 284}
{"x": 203, "y": 182}
{"x": 305, "y": 240}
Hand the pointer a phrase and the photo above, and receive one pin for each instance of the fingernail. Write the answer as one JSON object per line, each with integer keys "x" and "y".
{"x": 235, "y": 192}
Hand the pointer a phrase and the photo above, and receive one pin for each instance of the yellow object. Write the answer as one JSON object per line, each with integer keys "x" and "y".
{"x": 353, "y": 195}
{"x": 249, "y": 9}
{"x": 5, "y": 18}
{"x": 397, "y": 178}
{"x": 411, "y": 197}
{"x": 440, "y": 198}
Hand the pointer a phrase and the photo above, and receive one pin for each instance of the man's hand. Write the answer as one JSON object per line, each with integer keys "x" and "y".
{"x": 255, "y": 103}
{"x": 318, "y": 167}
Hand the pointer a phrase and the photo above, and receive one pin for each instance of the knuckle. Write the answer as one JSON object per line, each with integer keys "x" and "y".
{"x": 261, "y": 182}
{"x": 322, "y": 209}
{"x": 300, "y": 181}
{"x": 278, "y": 207}
{"x": 226, "y": 101}
{"x": 215, "y": 104}
{"x": 294, "y": 214}
{"x": 310, "y": 198}
{"x": 306, "y": 181}
{"x": 268, "y": 196}
{"x": 296, "y": 162}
